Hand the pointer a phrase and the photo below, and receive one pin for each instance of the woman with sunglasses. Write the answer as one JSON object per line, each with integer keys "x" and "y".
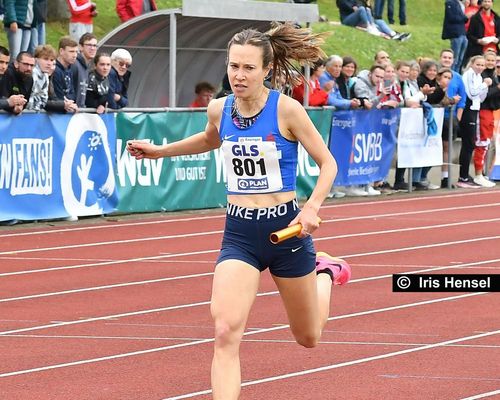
{"x": 119, "y": 78}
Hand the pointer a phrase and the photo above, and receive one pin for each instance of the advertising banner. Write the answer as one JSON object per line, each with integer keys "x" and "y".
{"x": 363, "y": 143}
{"x": 54, "y": 166}
{"x": 416, "y": 148}
{"x": 166, "y": 184}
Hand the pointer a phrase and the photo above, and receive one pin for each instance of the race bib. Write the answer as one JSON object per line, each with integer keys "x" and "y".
{"x": 252, "y": 166}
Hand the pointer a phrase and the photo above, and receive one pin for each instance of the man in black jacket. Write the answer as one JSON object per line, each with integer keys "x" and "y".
{"x": 17, "y": 81}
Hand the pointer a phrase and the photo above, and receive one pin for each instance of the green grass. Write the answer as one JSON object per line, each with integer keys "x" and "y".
{"x": 425, "y": 19}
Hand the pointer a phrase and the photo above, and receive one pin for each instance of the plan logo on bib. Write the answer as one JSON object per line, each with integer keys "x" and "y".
{"x": 87, "y": 175}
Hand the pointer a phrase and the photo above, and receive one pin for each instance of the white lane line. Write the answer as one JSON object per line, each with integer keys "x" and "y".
{"x": 174, "y": 278}
{"x": 284, "y": 341}
{"x": 154, "y": 238}
{"x": 482, "y": 395}
{"x": 111, "y": 242}
{"x": 106, "y": 263}
{"x": 259, "y": 331}
{"x": 177, "y": 307}
{"x": 343, "y": 364}
{"x": 448, "y": 378}
{"x": 427, "y": 246}
{"x": 211, "y": 251}
{"x": 103, "y": 287}
{"x": 113, "y": 225}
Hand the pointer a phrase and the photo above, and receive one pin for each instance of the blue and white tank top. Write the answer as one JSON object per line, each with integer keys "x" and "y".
{"x": 258, "y": 158}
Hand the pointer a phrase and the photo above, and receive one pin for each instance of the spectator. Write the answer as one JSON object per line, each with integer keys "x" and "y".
{"x": 352, "y": 14}
{"x": 402, "y": 12}
{"x": 367, "y": 88}
{"x": 45, "y": 56}
{"x": 367, "y": 85}
{"x": 14, "y": 101}
{"x": 38, "y": 31}
{"x": 63, "y": 79}
{"x": 328, "y": 81}
{"x": 81, "y": 20}
{"x": 347, "y": 78}
{"x": 317, "y": 96}
{"x": 455, "y": 90}
{"x": 428, "y": 84}
{"x": 98, "y": 86}
{"x": 18, "y": 21}
{"x": 382, "y": 58}
{"x": 384, "y": 29}
{"x": 486, "y": 121}
{"x": 411, "y": 92}
{"x": 88, "y": 49}
{"x": 127, "y": 9}
{"x": 358, "y": 13}
{"x": 42, "y": 95}
{"x": 204, "y": 93}
{"x": 390, "y": 89}
{"x": 476, "y": 88}
{"x": 17, "y": 80}
{"x": 379, "y": 10}
{"x": 483, "y": 31}
{"x": 454, "y": 29}
{"x": 471, "y": 8}
{"x": 402, "y": 74}
{"x": 119, "y": 78}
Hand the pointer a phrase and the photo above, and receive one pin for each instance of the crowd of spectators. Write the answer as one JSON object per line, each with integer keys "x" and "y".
{"x": 77, "y": 75}
{"x": 465, "y": 77}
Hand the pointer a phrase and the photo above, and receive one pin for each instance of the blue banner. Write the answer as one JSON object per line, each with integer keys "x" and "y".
{"x": 54, "y": 166}
{"x": 363, "y": 143}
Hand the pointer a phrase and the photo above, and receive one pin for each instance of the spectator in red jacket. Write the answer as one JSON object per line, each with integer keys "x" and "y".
{"x": 81, "y": 20}
{"x": 127, "y": 9}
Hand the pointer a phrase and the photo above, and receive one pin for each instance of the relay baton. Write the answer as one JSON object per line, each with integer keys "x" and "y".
{"x": 287, "y": 233}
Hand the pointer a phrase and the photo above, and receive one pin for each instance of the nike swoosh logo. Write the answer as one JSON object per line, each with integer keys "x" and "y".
{"x": 227, "y": 137}
{"x": 297, "y": 249}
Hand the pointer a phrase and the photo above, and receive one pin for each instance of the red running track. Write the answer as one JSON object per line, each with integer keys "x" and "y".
{"x": 118, "y": 308}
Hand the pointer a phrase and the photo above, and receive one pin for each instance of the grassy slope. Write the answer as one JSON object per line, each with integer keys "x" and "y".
{"x": 424, "y": 17}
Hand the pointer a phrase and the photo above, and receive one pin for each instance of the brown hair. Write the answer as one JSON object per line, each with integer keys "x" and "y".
{"x": 45, "y": 51}
{"x": 281, "y": 44}
{"x": 66, "y": 41}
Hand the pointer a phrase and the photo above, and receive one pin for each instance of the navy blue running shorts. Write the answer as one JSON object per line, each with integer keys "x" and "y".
{"x": 246, "y": 238}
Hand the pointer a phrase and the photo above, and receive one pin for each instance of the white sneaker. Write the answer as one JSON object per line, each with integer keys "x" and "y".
{"x": 336, "y": 195}
{"x": 355, "y": 191}
{"x": 372, "y": 192}
{"x": 431, "y": 186}
{"x": 373, "y": 30}
{"x": 482, "y": 181}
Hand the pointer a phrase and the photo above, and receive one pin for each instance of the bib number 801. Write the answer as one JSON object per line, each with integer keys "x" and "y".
{"x": 248, "y": 166}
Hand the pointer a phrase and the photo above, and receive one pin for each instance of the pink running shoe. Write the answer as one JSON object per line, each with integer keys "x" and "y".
{"x": 339, "y": 268}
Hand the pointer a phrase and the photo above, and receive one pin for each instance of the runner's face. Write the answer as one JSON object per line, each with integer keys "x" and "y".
{"x": 245, "y": 70}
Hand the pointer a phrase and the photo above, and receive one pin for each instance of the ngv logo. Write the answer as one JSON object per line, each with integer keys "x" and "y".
{"x": 87, "y": 176}
{"x": 366, "y": 147}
